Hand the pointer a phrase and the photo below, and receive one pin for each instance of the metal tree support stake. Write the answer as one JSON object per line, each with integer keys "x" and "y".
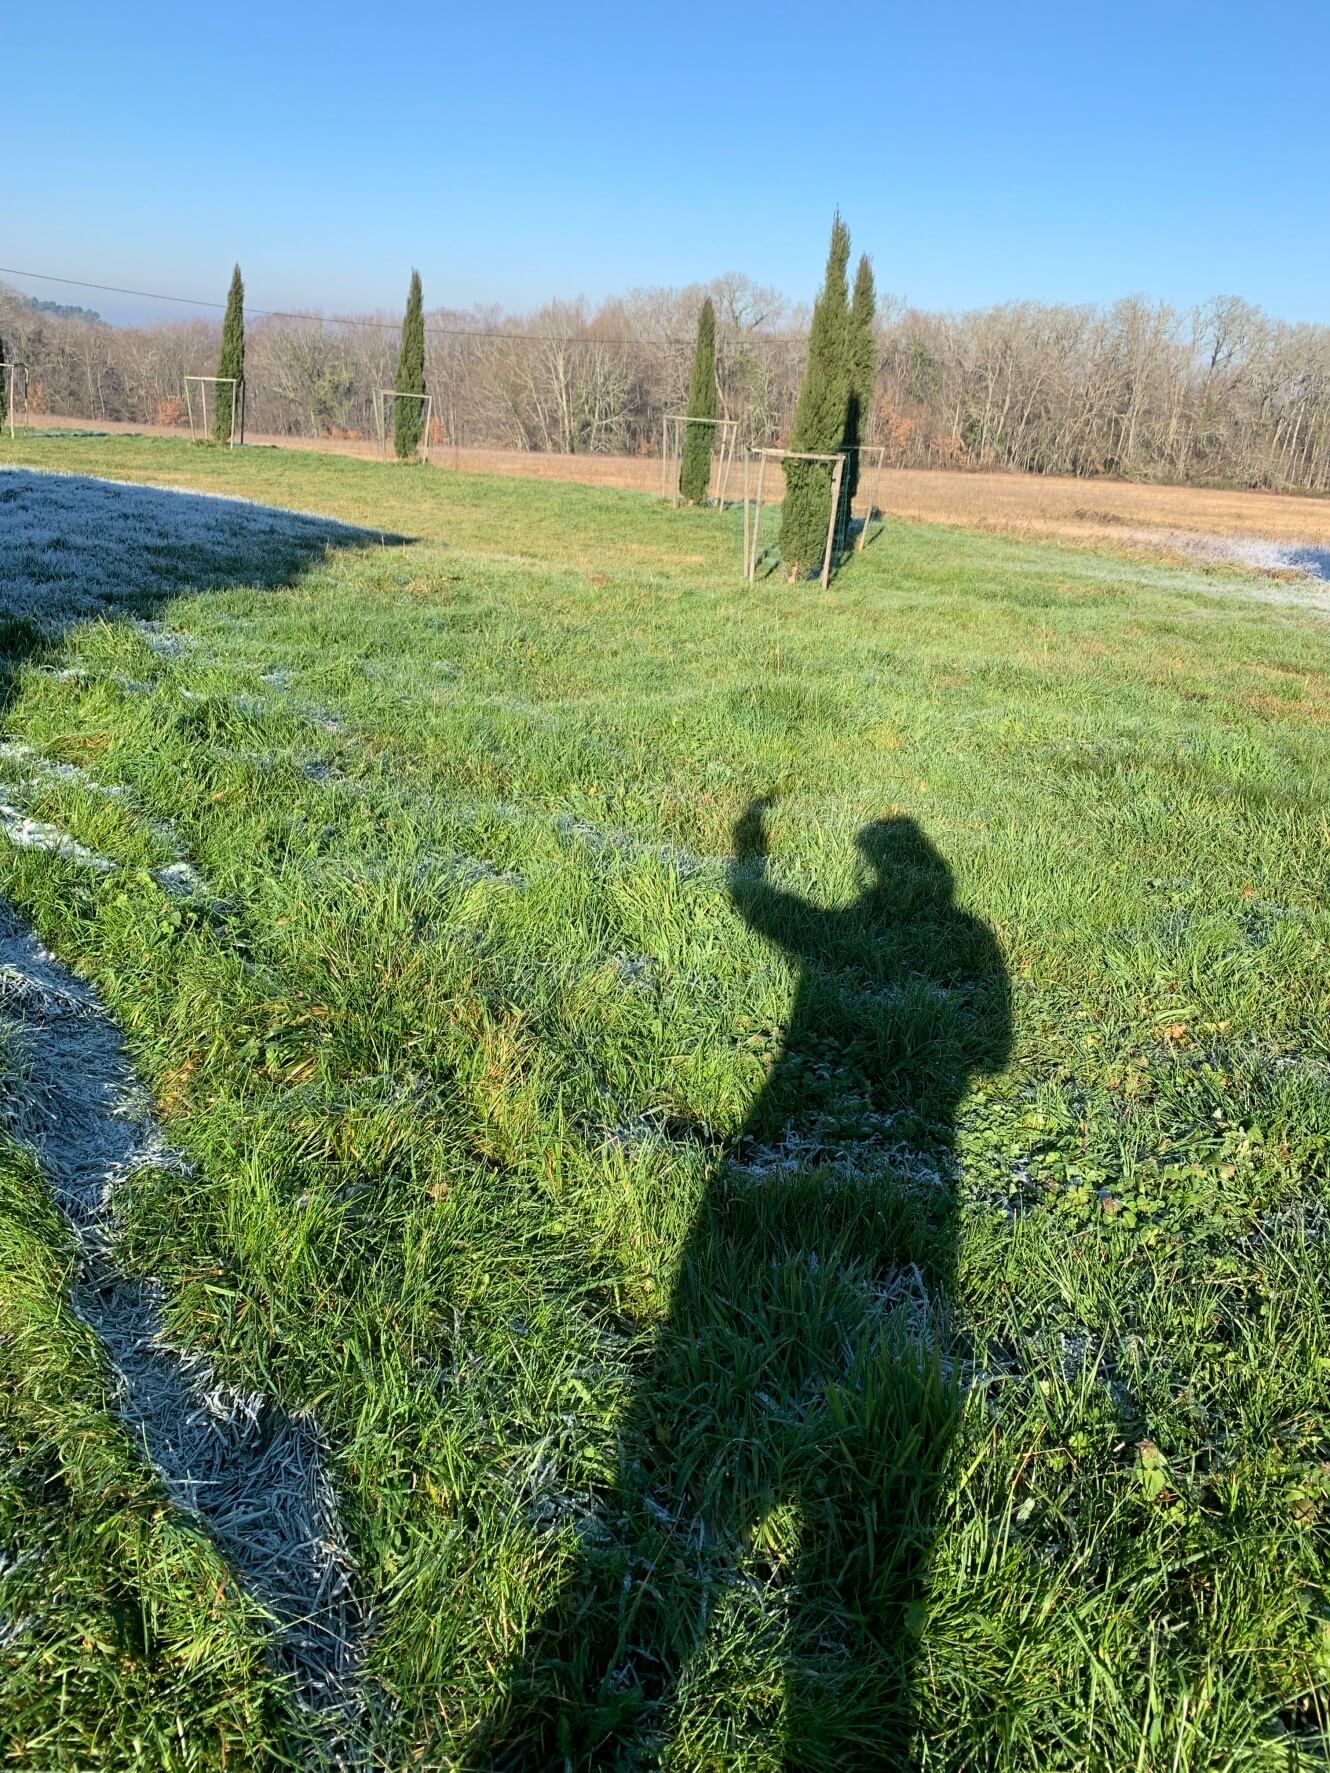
{"x": 746, "y": 456}
{"x": 837, "y": 461}
{"x": 861, "y": 450}
{"x": 199, "y": 433}
{"x": 671, "y": 451}
{"x": 381, "y": 398}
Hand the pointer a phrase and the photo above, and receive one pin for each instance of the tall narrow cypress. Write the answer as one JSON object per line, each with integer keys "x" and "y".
{"x": 409, "y": 415}
{"x": 819, "y": 419}
{"x": 862, "y": 356}
{"x": 231, "y": 359}
{"x": 695, "y": 472}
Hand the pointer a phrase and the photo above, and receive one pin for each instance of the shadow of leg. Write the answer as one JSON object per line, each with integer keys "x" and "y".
{"x": 770, "y": 1529}
{"x": 868, "y": 1525}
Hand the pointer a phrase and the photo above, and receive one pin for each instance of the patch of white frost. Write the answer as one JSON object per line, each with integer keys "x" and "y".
{"x": 180, "y": 879}
{"x": 47, "y": 769}
{"x": 160, "y": 639}
{"x": 32, "y": 834}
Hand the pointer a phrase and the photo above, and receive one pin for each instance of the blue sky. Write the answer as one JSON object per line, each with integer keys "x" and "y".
{"x": 980, "y": 153}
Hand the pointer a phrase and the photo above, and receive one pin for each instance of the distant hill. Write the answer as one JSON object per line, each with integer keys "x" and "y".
{"x": 61, "y": 310}
{"x": 65, "y": 311}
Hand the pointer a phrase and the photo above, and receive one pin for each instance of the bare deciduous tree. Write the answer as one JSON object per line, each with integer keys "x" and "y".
{"x": 1222, "y": 394}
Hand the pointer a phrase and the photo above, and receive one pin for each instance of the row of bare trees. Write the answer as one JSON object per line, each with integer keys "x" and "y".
{"x": 1222, "y": 393}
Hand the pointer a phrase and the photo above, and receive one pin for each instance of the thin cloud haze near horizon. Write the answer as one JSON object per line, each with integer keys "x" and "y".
{"x": 1027, "y": 155}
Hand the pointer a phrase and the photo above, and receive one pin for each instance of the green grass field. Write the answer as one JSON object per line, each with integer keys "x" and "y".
{"x": 776, "y": 1140}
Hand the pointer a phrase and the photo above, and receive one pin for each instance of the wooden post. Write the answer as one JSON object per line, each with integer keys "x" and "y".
{"x": 664, "y": 457}
{"x": 757, "y": 518}
{"x": 726, "y": 456}
{"x": 872, "y": 503}
{"x": 836, "y": 475}
{"x": 745, "y": 572}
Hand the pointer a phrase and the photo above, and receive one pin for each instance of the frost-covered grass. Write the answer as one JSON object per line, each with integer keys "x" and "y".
{"x": 76, "y": 546}
{"x": 253, "y": 1478}
{"x": 832, "y": 1284}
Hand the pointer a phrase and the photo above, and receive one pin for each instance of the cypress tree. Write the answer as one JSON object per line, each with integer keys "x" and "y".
{"x": 863, "y": 372}
{"x": 231, "y": 360}
{"x": 695, "y": 472}
{"x": 409, "y": 415}
{"x": 819, "y": 418}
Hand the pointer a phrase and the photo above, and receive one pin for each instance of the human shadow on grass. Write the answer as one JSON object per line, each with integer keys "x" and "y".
{"x": 75, "y": 550}
{"x": 780, "y": 1466}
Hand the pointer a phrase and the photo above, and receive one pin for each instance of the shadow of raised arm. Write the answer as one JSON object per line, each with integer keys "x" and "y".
{"x": 771, "y": 911}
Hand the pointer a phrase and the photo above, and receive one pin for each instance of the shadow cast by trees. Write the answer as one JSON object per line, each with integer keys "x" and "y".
{"x": 76, "y": 549}
{"x": 779, "y": 1468}
{"x": 853, "y": 535}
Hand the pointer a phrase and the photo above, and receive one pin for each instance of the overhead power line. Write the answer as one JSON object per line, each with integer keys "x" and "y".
{"x": 438, "y": 332}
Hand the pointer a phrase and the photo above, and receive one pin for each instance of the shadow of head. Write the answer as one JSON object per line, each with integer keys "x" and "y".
{"x": 901, "y": 996}
{"x": 905, "y": 867}
{"x": 76, "y": 549}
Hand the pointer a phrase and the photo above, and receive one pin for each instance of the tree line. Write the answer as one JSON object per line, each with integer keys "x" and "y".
{"x": 1221, "y": 393}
